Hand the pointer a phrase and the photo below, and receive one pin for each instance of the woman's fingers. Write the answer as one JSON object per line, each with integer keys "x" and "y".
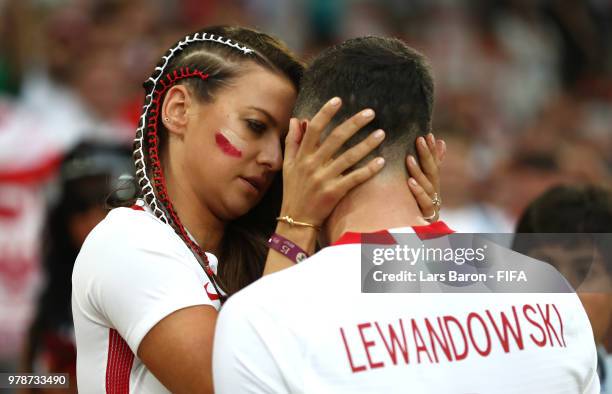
{"x": 293, "y": 138}
{"x": 431, "y": 142}
{"x": 439, "y": 150}
{"x": 424, "y": 200}
{"x": 360, "y": 175}
{"x": 353, "y": 155}
{"x": 342, "y": 133}
{"x": 417, "y": 174}
{"x": 310, "y": 189}
{"x": 318, "y": 123}
{"x": 424, "y": 182}
{"x": 428, "y": 163}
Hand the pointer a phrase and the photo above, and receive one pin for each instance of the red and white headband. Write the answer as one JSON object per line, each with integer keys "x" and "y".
{"x": 152, "y": 98}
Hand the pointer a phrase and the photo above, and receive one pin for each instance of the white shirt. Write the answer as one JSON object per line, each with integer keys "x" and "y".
{"x": 132, "y": 271}
{"x": 310, "y": 329}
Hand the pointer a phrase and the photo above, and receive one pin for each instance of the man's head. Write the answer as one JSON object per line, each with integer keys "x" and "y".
{"x": 379, "y": 73}
{"x": 569, "y": 227}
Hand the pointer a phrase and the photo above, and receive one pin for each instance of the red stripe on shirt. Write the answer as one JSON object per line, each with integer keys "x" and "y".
{"x": 433, "y": 230}
{"x": 118, "y": 365}
{"x": 383, "y": 237}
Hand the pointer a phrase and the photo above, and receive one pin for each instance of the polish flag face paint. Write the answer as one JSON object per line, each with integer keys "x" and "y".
{"x": 229, "y": 143}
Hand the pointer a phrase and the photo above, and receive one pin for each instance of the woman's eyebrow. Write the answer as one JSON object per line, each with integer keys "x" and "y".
{"x": 271, "y": 118}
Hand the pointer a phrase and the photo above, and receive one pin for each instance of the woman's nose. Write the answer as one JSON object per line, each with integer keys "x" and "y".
{"x": 271, "y": 154}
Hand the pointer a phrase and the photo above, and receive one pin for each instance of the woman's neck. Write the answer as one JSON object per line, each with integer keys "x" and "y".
{"x": 199, "y": 221}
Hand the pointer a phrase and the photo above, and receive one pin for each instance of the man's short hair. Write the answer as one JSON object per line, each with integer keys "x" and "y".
{"x": 380, "y": 73}
{"x": 578, "y": 209}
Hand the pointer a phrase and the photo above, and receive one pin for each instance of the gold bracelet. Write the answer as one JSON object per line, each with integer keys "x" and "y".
{"x": 288, "y": 219}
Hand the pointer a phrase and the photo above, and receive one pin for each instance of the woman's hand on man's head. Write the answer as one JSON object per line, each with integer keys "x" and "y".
{"x": 314, "y": 181}
{"x": 424, "y": 181}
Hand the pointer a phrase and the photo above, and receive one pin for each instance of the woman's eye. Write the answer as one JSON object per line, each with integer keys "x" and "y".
{"x": 256, "y": 125}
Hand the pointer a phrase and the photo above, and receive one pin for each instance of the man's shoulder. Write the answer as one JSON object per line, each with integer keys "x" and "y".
{"x": 302, "y": 284}
{"x": 320, "y": 267}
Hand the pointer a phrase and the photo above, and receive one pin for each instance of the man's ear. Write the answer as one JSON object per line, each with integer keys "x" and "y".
{"x": 175, "y": 109}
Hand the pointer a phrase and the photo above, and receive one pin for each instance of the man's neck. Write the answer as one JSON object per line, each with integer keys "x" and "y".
{"x": 380, "y": 203}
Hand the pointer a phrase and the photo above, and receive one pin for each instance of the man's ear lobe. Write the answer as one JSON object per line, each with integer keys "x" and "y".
{"x": 175, "y": 109}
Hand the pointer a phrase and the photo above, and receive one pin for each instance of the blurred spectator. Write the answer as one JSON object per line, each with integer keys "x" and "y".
{"x": 530, "y": 45}
{"x": 584, "y": 256}
{"x": 526, "y": 175}
{"x": 584, "y": 28}
{"x": 540, "y": 158}
{"x": 464, "y": 209}
{"x": 87, "y": 176}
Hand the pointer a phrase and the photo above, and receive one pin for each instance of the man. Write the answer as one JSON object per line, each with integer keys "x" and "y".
{"x": 579, "y": 245}
{"x": 311, "y": 329}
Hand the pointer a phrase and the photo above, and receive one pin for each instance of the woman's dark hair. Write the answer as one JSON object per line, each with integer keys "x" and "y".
{"x": 87, "y": 176}
{"x": 207, "y": 61}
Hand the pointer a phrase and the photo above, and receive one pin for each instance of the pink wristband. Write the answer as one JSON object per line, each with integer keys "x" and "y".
{"x": 287, "y": 248}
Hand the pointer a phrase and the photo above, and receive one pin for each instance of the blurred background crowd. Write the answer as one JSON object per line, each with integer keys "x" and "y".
{"x": 523, "y": 100}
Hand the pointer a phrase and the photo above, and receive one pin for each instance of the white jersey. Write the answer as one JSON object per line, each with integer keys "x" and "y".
{"x": 132, "y": 271}
{"x": 310, "y": 329}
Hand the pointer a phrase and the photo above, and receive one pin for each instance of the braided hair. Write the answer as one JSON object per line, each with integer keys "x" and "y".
{"x": 206, "y": 61}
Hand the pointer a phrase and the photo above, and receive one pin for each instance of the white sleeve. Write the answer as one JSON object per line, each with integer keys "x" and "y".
{"x": 134, "y": 285}
{"x": 246, "y": 356}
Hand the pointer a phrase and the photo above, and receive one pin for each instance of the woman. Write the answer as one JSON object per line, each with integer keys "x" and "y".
{"x": 209, "y": 145}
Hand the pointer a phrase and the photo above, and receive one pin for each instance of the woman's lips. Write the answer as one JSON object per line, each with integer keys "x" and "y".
{"x": 256, "y": 183}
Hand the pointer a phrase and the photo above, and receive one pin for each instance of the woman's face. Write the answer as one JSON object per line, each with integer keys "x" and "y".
{"x": 233, "y": 145}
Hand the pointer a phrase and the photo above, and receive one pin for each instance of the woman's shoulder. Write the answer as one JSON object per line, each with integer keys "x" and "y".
{"x": 132, "y": 243}
{"x": 136, "y": 229}
{"x": 131, "y": 272}
{"x": 135, "y": 217}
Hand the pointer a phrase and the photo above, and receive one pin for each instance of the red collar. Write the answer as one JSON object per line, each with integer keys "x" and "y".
{"x": 383, "y": 237}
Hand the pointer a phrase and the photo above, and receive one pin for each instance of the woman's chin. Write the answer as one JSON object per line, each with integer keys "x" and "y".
{"x": 236, "y": 209}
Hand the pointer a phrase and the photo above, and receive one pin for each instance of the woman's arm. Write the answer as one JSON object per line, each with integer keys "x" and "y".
{"x": 151, "y": 296}
{"x": 178, "y": 350}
